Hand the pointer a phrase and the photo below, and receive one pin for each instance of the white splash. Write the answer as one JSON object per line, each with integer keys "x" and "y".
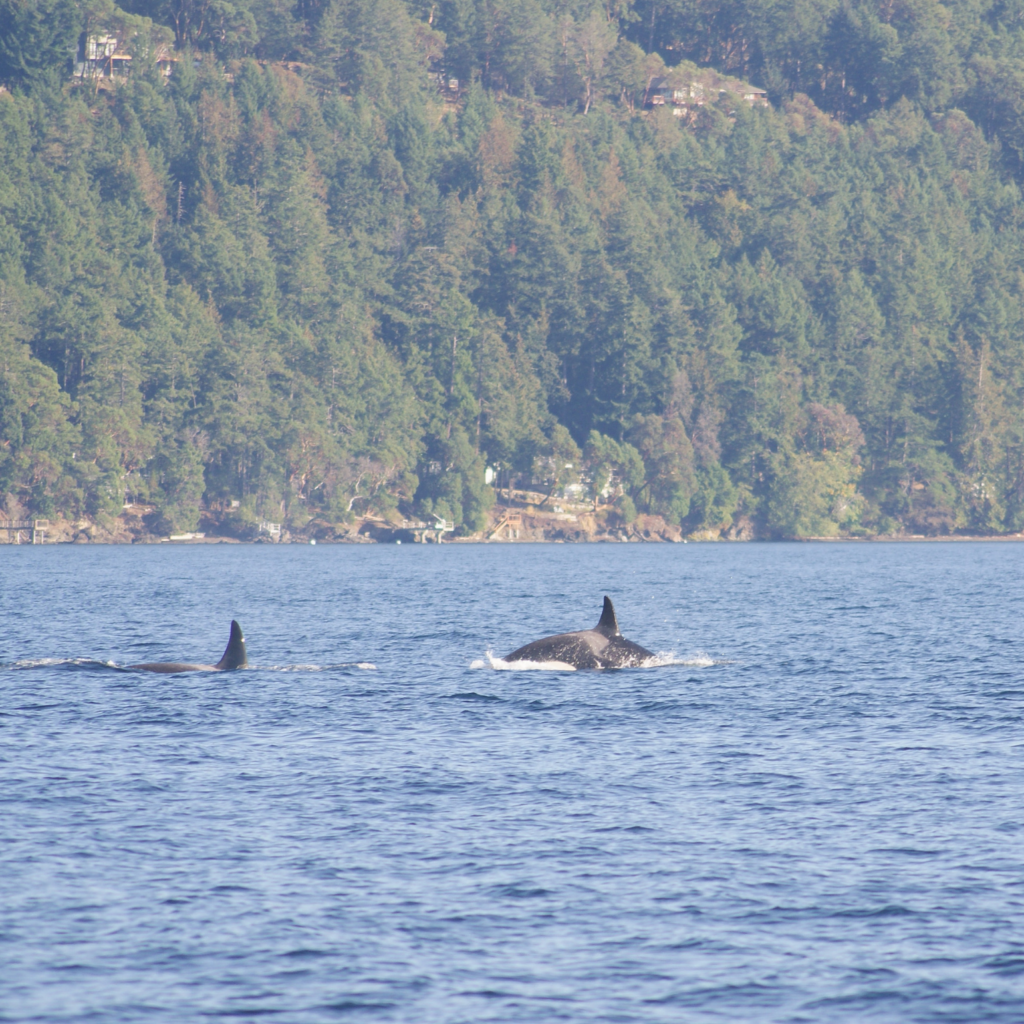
{"x": 500, "y": 665}
{"x": 701, "y": 661}
{"x": 698, "y": 660}
{"x": 660, "y": 660}
{"x": 50, "y": 662}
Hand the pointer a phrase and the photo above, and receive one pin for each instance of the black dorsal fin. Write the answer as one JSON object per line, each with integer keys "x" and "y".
{"x": 608, "y": 625}
{"x": 234, "y": 653}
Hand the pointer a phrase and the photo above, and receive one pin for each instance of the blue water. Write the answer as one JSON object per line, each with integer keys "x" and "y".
{"x": 815, "y": 814}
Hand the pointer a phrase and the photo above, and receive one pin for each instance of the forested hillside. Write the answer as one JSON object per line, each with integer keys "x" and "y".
{"x": 328, "y": 256}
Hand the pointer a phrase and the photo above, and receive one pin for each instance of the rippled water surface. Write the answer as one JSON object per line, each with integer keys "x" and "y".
{"x": 816, "y": 813}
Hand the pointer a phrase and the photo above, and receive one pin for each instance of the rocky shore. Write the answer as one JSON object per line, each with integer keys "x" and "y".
{"x": 521, "y": 518}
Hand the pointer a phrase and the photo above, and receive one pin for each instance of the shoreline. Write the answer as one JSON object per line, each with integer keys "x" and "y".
{"x": 506, "y": 526}
{"x": 519, "y": 517}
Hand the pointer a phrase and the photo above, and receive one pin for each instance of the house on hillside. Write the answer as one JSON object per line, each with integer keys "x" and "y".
{"x": 102, "y": 55}
{"x": 658, "y": 92}
{"x": 667, "y": 90}
{"x": 435, "y": 72}
{"x": 165, "y": 61}
{"x": 439, "y": 77}
{"x": 754, "y": 96}
{"x": 691, "y": 95}
{"x": 99, "y": 55}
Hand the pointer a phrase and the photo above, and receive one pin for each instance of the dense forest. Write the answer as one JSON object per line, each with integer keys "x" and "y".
{"x": 323, "y": 257}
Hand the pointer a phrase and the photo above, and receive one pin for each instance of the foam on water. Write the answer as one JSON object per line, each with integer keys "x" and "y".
{"x": 500, "y": 665}
{"x": 30, "y": 663}
{"x": 698, "y": 660}
{"x": 660, "y": 660}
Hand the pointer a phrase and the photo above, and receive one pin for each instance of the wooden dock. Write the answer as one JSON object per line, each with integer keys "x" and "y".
{"x": 510, "y": 522}
{"x": 37, "y": 528}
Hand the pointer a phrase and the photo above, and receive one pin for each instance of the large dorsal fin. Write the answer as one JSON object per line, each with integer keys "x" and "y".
{"x": 608, "y": 625}
{"x": 234, "y": 653}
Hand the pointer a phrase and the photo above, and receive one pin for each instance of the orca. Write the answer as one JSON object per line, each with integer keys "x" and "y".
{"x": 234, "y": 657}
{"x": 601, "y": 647}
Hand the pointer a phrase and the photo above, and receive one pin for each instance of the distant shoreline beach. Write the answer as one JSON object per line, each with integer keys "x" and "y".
{"x": 507, "y": 525}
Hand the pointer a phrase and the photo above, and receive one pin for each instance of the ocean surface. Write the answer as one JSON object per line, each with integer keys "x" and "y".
{"x": 811, "y": 810}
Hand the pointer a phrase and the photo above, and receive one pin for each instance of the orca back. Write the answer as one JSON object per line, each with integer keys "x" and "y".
{"x": 601, "y": 647}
